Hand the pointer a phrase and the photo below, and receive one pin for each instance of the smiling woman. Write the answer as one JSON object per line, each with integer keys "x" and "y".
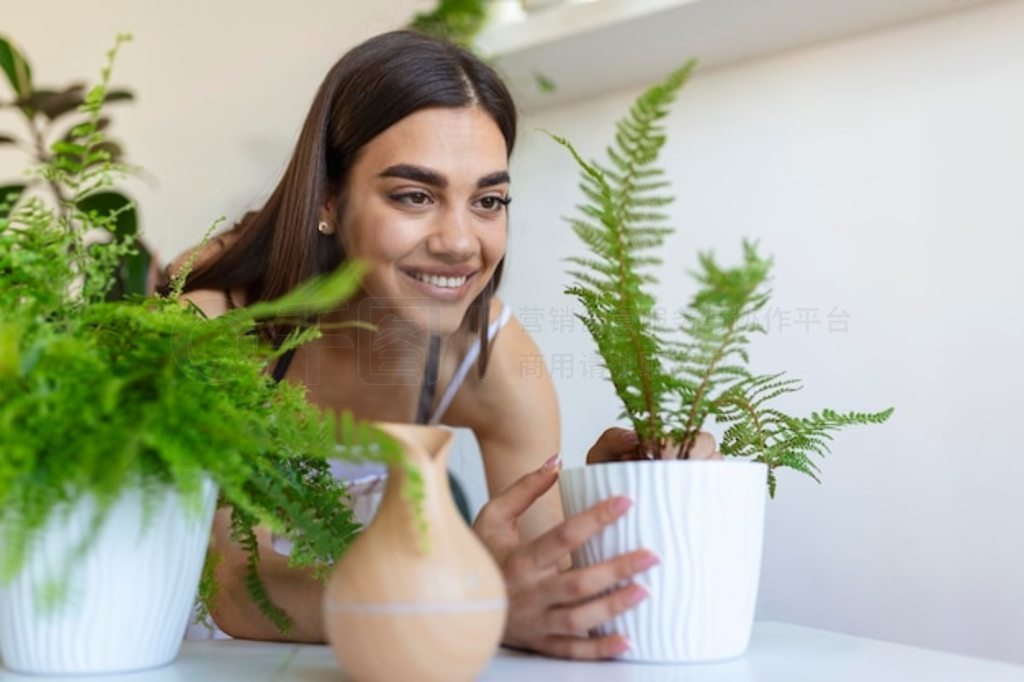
{"x": 402, "y": 163}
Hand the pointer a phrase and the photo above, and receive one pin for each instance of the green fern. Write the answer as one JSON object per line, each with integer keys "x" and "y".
{"x": 621, "y": 226}
{"x": 670, "y": 382}
{"x": 716, "y": 330}
{"x": 99, "y": 396}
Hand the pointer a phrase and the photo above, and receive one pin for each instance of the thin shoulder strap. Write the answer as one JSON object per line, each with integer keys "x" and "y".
{"x": 427, "y": 391}
{"x": 467, "y": 364}
{"x": 282, "y": 364}
{"x": 429, "y": 387}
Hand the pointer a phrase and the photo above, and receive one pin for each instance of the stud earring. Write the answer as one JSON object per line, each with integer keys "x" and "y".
{"x": 324, "y": 228}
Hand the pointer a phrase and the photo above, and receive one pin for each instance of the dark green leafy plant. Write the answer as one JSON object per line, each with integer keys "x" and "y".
{"x": 670, "y": 383}
{"x": 97, "y": 396}
{"x": 57, "y": 121}
{"x": 456, "y": 20}
{"x": 461, "y": 21}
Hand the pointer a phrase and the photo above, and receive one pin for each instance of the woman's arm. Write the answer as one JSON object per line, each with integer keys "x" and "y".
{"x": 514, "y": 414}
{"x": 296, "y": 591}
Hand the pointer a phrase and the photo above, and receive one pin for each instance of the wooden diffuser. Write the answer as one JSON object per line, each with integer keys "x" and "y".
{"x": 408, "y": 604}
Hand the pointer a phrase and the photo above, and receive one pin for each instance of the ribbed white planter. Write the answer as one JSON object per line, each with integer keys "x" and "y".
{"x": 705, "y": 521}
{"x": 129, "y": 597}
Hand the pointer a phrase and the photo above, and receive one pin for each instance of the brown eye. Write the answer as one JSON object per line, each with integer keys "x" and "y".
{"x": 494, "y": 203}
{"x": 412, "y": 198}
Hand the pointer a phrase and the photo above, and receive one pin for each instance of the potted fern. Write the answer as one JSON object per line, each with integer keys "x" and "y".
{"x": 123, "y": 422}
{"x": 701, "y": 510}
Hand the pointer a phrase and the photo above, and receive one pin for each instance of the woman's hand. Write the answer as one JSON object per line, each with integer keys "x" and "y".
{"x": 550, "y": 611}
{"x": 622, "y": 445}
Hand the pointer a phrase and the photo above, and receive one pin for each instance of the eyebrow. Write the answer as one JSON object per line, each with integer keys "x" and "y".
{"x": 496, "y": 178}
{"x": 435, "y": 179}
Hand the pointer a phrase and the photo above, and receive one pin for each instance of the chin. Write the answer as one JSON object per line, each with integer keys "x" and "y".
{"x": 415, "y": 312}
{"x": 434, "y": 319}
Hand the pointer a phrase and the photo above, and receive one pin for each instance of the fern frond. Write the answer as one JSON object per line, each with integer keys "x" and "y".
{"x": 715, "y": 332}
{"x": 242, "y": 532}
{"x": 621, "y": 229}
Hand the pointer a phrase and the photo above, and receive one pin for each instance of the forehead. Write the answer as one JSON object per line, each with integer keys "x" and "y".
{"x": 457, "y": 142}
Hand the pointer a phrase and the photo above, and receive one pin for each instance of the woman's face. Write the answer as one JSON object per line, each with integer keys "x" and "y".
{"x": 424, "y": 208}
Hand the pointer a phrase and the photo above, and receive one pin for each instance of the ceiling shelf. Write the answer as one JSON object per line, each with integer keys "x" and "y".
{"x": 588, "y": 48}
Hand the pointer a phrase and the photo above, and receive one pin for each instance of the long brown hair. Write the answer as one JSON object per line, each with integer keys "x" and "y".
{"x": 372, "y": 87}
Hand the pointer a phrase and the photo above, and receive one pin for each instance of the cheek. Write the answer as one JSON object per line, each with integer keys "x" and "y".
{"x": 494, "y": 245}
{"x": 378, "y": 241}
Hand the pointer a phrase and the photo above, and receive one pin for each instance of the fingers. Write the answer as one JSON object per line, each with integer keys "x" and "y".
{"x": 584, "y": 649}
{"x": 704, "y": 447}
{"x": 614, "y": 445}
{"x": 585, "y": 583}
{"x": 570, "y": 620}
{"x": 620, "y": 445}
{"x": 550, "y": 547}
{"x": 517, "y": 498}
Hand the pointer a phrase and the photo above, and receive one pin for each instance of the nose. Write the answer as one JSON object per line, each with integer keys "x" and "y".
{"x": 452, "y": 237}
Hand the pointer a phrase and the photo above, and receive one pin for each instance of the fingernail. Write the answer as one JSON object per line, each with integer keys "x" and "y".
{"x": 621, "y": 504}
{"x": 621, "y": 648}
{"x": 552, "y": 463}
{"x": 636, "y": 595}
{"x": 645, "y": 561}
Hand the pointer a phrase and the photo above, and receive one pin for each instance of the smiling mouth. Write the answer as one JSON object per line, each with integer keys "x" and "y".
{"x": 443, "y": 287}
{"x": 439, "y": 281}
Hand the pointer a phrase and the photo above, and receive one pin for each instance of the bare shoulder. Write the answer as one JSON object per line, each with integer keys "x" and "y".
{"x": 203, "y": 253}
{"x": 212, "y": 302}
{"x": 516, "y": 387}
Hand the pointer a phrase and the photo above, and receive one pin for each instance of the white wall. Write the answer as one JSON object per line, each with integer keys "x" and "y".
{"x": 882, "y": 173}
{"x": 221, "y": 90}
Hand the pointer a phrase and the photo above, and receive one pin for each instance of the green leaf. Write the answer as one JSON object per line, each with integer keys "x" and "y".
{"x": 9, "y": 195}
{"x": 456, "y": 20}
{"x": 52, "y": 103}
{"x": 119, "y": 96}
{"x": 16, "y": 68}
{"x": 63, "y": 148}
{"x": 114, "y": 204}
{"x": 314, "y": 296}
{"x": 134, "y": 275}
{"x": 545, "y": 85}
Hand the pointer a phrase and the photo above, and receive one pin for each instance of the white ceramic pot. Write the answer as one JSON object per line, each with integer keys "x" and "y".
{"x": 705, "y": 521}
{"x": 128, "y": 597}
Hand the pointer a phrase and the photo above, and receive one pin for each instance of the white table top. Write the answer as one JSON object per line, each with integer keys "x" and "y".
{"x": 778, "y": 653}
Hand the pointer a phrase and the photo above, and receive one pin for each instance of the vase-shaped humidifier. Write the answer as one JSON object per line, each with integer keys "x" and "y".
{"x": 416, "y": 598}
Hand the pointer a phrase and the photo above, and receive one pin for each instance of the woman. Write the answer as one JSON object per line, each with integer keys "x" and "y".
{"x": 403, "y": 163}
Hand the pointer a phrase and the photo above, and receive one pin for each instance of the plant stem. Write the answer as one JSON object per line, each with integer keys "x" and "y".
{"x": 689, "y": 431}
{"x": 42, "y": 157}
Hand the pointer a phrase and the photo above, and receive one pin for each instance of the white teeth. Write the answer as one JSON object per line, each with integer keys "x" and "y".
{"x": 443, "y": 282}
